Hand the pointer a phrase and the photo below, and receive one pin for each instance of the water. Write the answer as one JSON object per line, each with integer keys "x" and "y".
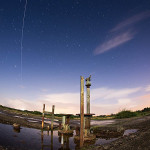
{"x": 93, "y": 122}
{"x": 19, "y": 117}
{"x": 34, "y": 139}
{"x": 56, "y": 122}
{"x": 102, "y": 122}
{"x": 105, "y": 141}
{"x": 129, "y": 131}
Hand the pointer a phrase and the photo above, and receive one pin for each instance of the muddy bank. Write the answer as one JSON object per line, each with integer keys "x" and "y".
{"x": 112, "y": 136}
{"x": 2, "y": 148}
{"x": 139, "y": 140}
{"x": 30, "y": 121}
{"x": 35, "y": 121}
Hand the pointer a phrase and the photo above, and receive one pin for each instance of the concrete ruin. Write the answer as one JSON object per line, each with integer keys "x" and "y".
{"x": 85, "y": 119}
{"x": 65, "y": 126}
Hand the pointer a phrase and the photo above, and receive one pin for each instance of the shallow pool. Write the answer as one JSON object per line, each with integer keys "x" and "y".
{"x": 34, "y": 139}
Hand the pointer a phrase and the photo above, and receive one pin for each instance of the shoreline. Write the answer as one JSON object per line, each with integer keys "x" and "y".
{"x": 134, "y": 141}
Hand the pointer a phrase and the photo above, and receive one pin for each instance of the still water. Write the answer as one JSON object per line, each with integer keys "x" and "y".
{"x": 34, "y": 139}
{"x": 31, "y": 139}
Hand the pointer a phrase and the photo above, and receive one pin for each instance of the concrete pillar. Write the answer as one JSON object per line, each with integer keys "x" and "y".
{"x": 81, "y": 111}
{"x": 52, "y": 120}
{"x": 88, "y": 100}
{"x": 68, "y": 120}
{"x": 87, "y": 122}
{"x": 63, "y": 120}
{"x": 88, "y": 84}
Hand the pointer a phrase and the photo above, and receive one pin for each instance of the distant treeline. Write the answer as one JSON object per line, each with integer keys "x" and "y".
{"x": 122, "y": 114}
{"x": 127, "y": 114}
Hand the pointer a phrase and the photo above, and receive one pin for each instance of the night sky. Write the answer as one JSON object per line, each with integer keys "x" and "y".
{"x": 64, "y": 39}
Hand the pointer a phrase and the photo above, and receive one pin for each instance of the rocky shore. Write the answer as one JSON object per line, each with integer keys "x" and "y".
{"x": 139, "y": 140}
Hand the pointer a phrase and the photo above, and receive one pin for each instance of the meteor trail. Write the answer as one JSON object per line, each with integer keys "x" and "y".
{"x": 22, "y": 32}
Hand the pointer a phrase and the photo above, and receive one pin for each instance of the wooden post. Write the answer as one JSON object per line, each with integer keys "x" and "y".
{"x": 81, "y": 111}
{"x": 52, "y": 120}
{"x": 43, "y": 116}
{"x": 68, "y": 120}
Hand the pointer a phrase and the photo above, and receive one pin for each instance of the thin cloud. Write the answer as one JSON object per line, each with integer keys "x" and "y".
{"x": 132, "y": 20}
{"x": 62, "y": 97}
{"x": 107, "y": 93}
{"x": 124, "y": 37}
{"x": 147, "y": 89}
{"x": 70, "y": 102}
{"x": 114, "y": 42}
{"x": 135, "y": 103}
{"x": 60, "y": 107}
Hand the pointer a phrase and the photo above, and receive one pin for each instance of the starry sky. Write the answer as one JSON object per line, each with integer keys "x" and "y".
{"x": 64, "y": 39}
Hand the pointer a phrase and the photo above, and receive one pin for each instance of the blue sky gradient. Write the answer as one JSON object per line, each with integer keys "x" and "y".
{"x": 63, "y": 40}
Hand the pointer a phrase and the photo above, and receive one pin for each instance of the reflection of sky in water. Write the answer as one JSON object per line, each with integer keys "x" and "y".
{"x": 18, "y": 117}
{"x": 33, "y": 121}
{"x": 49, "y": 122}
{"x": 94, "y": 122}
{"x": 103, "y": 122}
{"x": 104, "y": 141}
{"x": 38, "y": 120}
{"x": 29, "y": 138}
{"x": 129, "y": 131}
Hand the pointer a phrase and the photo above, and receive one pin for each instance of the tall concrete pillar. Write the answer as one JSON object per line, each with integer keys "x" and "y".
{"x": 81, "y": 111}
{"x": 63, "y": 120}
{"x": 52, "y": 119}
{"x": 88, "y": 84}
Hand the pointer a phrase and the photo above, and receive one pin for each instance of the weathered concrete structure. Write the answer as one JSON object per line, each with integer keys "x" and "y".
{"x": 88, "y": 115}
{"x": 88, "y": 84}
{"x": 52, "y": 119}
{"x": 65, "y": 127}
{"x": 85, "y": 119}
{"x": 81, "y": 111}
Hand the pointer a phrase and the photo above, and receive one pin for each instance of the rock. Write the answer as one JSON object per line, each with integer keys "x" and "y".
{"x": 16, "y": 126}
{"x": 106, "y": 147}
{"x": 132, "y": 136}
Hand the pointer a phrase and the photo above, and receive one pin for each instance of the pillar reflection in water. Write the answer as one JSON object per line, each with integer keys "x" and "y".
{"x": 42, "y": 146}
{"x": 64, "y": 140}
{"x": 50, "y": 146}
{"x": 51, "y": 139}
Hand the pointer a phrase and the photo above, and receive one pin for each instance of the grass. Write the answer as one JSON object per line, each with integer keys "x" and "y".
{"x": 26, "y": 112}
{"x": 35, "y": 113}
{"x": 125, "y": 114}
{"x": 120, "y": 115}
